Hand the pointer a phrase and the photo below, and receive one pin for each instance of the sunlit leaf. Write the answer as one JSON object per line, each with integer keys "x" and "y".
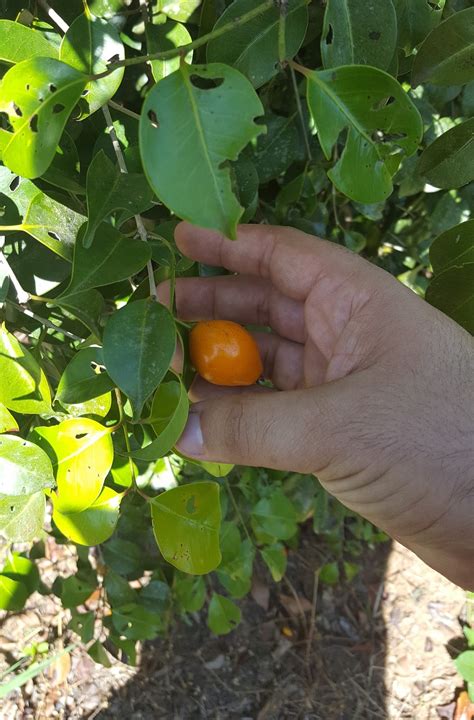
{"x": 188, "y": 132}
{"x": 108, "y": 189}
{"x": 53, "y": 224}
{"x": 446, "y": 57}
{"x": 24, "y": 467}
{"x": 89, "y": 45}
{"x": 95, "y": 524}
{"x": 13, "y": 594}
{"x": 449, "y": 161}
{"x": 20, "y": 568}
{"x": 23, "y": 386}
{"x": 167, "y": 36}
{"x": 139, "y": 342}
{"x": 18, "y": 43}
{"x": 465, "y": 665}
{"x": 180, "y": 10}
{"x": 7, "y": 421}
{"x": 81, "y": 452}
{"x": 22, "y": 517}
{"x": 38, "y": 96}
{"x": 223, "y": 615}
{"x": 358, "y": 33}
{"x": 186, "y": 523}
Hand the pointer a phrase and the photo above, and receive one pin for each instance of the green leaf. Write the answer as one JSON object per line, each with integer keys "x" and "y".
{"x": 351, "y": 570}
{"x": 134, "y": 622}
{"x": 155, "y": 597}
{"x": 139, "y": 342}
{"x": 223, "y": 615}
{"x": 7, "y": 421}
{"x": 18, "y": 43}
{"x": 469, "y": 635}
{"x": 99, "y": 654}
{"x": 329, "y": 573}
{"x": 190, "y": 593}
{"x": 358, "y": 33}
{"x": 187, "y": 135}
{"x": 379, "y": 132}
{"x": 167, "y": 36}
{"x": 279, "y": 147}
{"x": 465, "y": 665}
{"x": 230, "y": 541}
{"x": 416, "y": 18}
{"x": 72, "y": 590}
{"x": 186, "y": 522}
{"x": 276, "y": 516}
{"x": 22, "y": 517}
{"x": 108, "y": 189}
{"x": 24, "y": 467}
{"x": 84, "y": 377}
{"x": 81, "y": 451}
{"x": 452, "y": 292}
{"x": 449, "y": 161}
{"x": 94, "y": 525}
{"x": 83, "y": 625}
{"x": 21, "y": 569}
{"x": 123, "y": 556}
{"x": 169, "y": 412}
{"x": 453, "y": 248}
{"x": 38, "y": 96}
{"x": 13, "y": 594}
{"x": 252, "y": 48}
{"x": 89, "y": 45}
{"x": 118, "y": 589}
{"x": 23, "y": 387}
{"x": 86, "y": 306}
{"x": 52, "y": 224}
{"x": 236, "y": 575}
{"x": 275, "y": 559}
{"x": 180, "y": 10}
{"x": 63, "y": 172}
{"x": 447, "y": 55}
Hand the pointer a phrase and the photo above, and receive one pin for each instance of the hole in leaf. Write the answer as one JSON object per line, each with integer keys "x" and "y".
{"x": 34, "y": 123}
{"x": 80, "y": 436}
{"x": 12, "y": 508}
{"x": 374, "y": 35}
{"x": 5, "y": 122}
{"x": 329, "y": 36}
{"x": 52, "y": 87}
{"x": 14, "y": 183}
{"x": 53, "y": 235}
{"x": 114, "y": 58}
{"x": 433, "y": 5}
{"x": 204, "y": 83}
{"x": 84, "y": 93}
{"x": 152, "y": 117}
{"x": 58, "y": 108}
{"x": 382, "y": 136}
{"x": 17, "y": 110}
{"x": 379, "y": 104}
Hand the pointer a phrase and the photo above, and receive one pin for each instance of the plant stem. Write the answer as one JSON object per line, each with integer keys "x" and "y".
{"x": 124, "y": 110}
{"x": 237, "y": 510}
{"x": 43, "y": 321}
{"x": 301, "y": 114}
{"x": 184, "y": 49}
{"x": 282, "y": 32}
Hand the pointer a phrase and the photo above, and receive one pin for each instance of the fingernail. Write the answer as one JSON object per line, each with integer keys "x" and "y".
{"x": 191, "y": 441}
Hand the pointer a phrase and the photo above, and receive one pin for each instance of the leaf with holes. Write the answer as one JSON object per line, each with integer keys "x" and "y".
{"x": 23, "y": 387}
{"x": 53, "y": 224}
{"x": 18, "y": 43}
{"x": 108, "y": 189}
{"x": 452, "y": 292}
{"x": 22, "y": 517}
{"x": 7, "y": 421}
{"x": 192, "y": 123}
{"x": 95, "y": 524}
{"x": 252, "y": 47}
{"x": 446, "y": 57}
{"x": 16, "y": 194}
{"x": 382, "y": 124}
{"x": 186, "y": 523}
{"x": 139, "y": 342}
{"x": 24, "y": 467}
{"x": 454, "y": 247}
{"x": 357, "y": 32}
{"x": 169, "y": 412}
{"x": 415, "y": 19}
{"x": 223, "y": 615}
{"x": 449, "y": 161}
{"x": 84, "y": 377}
{"x": 89, "y": 45}
{"x": 167, "y": 36}
{"x": 38, "y": 96}
{"x": 81, "y": 453}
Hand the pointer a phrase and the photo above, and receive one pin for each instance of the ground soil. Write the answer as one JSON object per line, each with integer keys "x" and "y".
{"x": 376, "y": 648}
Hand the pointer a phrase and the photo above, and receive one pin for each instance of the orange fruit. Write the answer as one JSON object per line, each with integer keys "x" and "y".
{"x": 224, "y": 353}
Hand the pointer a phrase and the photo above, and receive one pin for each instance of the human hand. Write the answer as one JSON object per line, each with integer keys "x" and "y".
{"x": 374, "y": 390}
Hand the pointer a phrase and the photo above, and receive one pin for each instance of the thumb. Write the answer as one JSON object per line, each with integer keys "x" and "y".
{"x": 298, "y": 430}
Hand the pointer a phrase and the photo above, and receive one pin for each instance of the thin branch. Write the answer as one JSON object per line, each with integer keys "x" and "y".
{"x": 29, "y": 313}
{"x": 21, "y": 294}
{"x": 124, "y": 110}
{"x": 301, "y": 114}
{"x": 184, "y": 49}
{"x": 53, "y": 15}
{"x": 282, "y": 31}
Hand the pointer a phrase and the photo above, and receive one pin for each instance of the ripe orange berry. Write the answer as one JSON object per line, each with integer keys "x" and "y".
{"x": 224, "y": 353}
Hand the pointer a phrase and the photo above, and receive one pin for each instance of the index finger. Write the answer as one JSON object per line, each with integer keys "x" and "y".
{"x": 291, "y": 259}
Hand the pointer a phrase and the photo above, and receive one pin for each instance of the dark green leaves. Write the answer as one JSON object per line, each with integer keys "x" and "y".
{"x": 356, "y": 32}
{"x": 223, "y": 615}
{"x": 139, "y": 342}
{"x": 192, "y": 123}
{"x": 84, "y": 378}
{"x": 24, "y": 467}
{"x": 186, "y": 523}
{"x": 252, "y": 48}
{"x": 382, "y": 125}
{"x": 18, "y": 43}
{"x": 107, "y": 190}
{"x": 447, "y": 55}
{"x": 449, "y": 161}
{"x": 23, "y": 386}
{"x": 38, "y": 96}
{"x": 416, "y": 18}
{"x": 89, "y": 45}
{"x": 454, "y": 247}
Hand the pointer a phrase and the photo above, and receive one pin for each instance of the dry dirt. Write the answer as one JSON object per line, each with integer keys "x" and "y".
{"x": 373, "y": 649}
